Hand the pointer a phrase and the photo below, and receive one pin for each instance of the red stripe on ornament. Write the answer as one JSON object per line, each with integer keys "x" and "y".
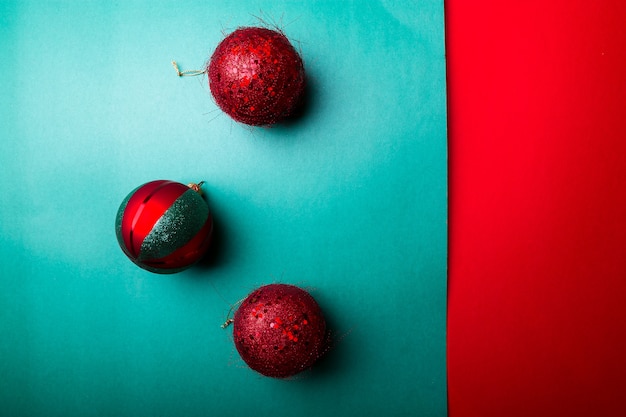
{"x": 145, "y": 208}
{"x": 190, "y": 252}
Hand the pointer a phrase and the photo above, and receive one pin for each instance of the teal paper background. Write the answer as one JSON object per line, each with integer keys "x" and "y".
{"x": 348, "y": 201}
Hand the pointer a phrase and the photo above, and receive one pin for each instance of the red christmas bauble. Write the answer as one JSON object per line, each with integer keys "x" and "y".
{"x": 256, "y": 76}
{"x": 164, "y": 226}
{"x": 279, "y": 330}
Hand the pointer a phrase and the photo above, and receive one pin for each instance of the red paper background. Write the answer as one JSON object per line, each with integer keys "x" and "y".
{"x": 537, "y": 284}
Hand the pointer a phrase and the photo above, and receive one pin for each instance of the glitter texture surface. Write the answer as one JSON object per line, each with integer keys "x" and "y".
{"x": 178, "y": 225}
{"x": 256, "y": 76}
{"x": 279, "y": 330}
{"x": 164, "y": 226}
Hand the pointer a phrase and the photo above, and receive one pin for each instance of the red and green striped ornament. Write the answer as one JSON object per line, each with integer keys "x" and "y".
{"x": 164, "y": 226}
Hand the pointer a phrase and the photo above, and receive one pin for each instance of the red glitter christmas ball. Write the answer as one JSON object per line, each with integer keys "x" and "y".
{"x": 279, "y": 330}
{"x": 164, "y": 226}
{"x": 256, "y": 76}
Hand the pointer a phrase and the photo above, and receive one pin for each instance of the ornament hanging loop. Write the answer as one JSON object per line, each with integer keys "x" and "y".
{"x": 190, "y": 73}
{"x": 196, "y": 187}
{"x": 229, "y": 318}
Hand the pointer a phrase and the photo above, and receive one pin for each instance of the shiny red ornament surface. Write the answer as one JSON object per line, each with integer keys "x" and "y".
{"x": 256, "y": 76}
{"x": 279, "y": 330}
{"x": 164, "y": 226}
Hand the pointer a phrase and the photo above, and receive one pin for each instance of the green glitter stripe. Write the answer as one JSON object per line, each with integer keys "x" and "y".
{"x": 181, "y": 222}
